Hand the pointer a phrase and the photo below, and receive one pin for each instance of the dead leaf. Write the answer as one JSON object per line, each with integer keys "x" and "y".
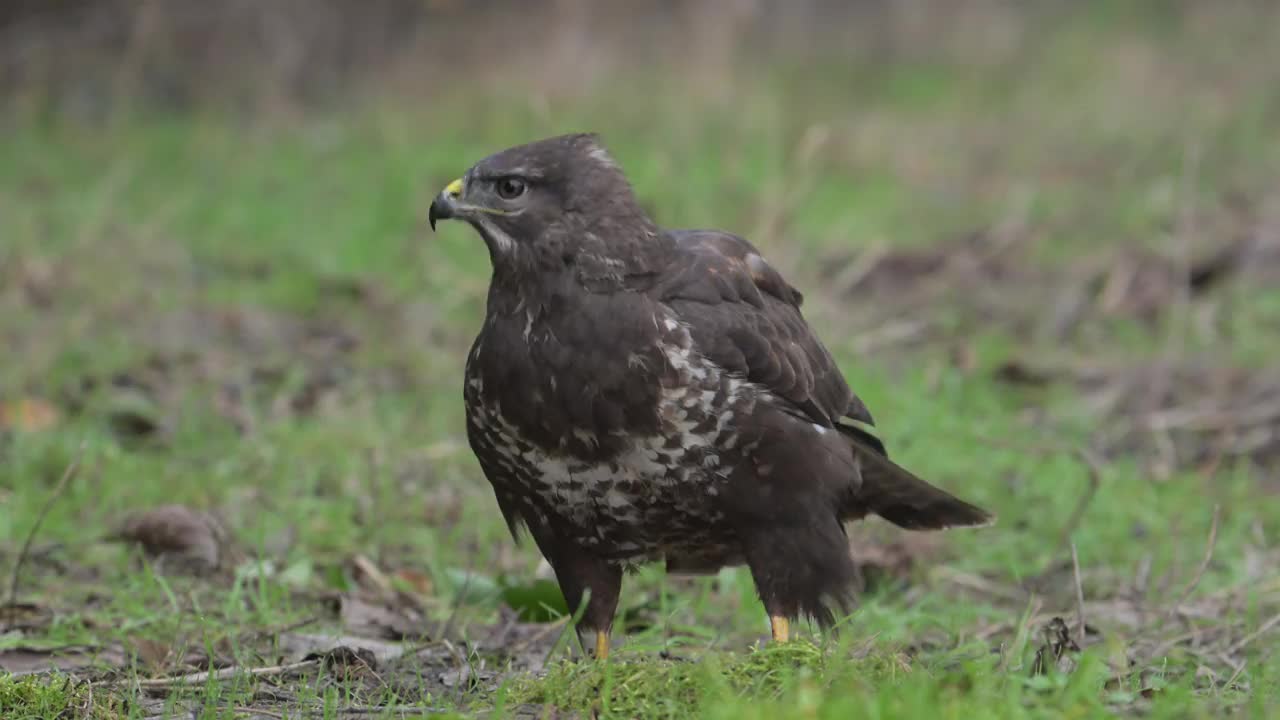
{"x": 417, "y": 582}
{"x": 156, "y": 655}
{"x": 297, "y": 646}
{"x": 369, "y": 576}
{"x": 179, "y": 532}
{"x": 374, "y": 619}
{"x": 28, "y": 414}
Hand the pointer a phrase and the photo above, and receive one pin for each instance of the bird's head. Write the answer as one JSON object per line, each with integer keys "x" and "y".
{"x": 543, "y": 204}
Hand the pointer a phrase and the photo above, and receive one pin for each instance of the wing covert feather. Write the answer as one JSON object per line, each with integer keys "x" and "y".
{"x": 745, "y": 317}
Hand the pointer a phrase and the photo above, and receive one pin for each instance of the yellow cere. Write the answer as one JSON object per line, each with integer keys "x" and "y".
{"x": 454, "y": 188}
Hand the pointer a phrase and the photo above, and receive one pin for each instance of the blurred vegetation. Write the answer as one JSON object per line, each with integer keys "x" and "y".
{"x": 1042, "y": 238}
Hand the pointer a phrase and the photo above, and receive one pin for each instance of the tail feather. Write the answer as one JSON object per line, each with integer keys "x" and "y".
{"x": 895, "y": 494}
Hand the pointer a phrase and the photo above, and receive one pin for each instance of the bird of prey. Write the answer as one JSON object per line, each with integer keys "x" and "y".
{"x": 642, "y": 394}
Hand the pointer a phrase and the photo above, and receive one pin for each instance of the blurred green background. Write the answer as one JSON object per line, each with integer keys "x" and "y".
{"x": 1042, "y": 238}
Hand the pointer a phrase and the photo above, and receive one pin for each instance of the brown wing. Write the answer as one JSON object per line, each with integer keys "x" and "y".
{"x": 746, "y": 318}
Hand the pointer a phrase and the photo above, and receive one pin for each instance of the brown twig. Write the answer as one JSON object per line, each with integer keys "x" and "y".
{"x": 1075, "y": 567}
{"x": 1243, "y": 642}
{"x": 259, "y": 711}
{"x": 1235, "y": 675}
{"x": 285, "y": 629}
{"x": 223, "y": 674}
{"x": 1094, "y": 474}
{"x": 368, "y": 569}
{"x": 382, "y": 710}
{"x": 1204, "y": 562}
{"x": 1211, "y": 419}
{"x": 16, "y": 576}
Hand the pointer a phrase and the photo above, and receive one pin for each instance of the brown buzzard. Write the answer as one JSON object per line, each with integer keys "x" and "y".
{"x": 640, "y": 394}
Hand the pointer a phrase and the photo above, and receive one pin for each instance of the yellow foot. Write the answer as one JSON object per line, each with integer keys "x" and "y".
{"x": 781, "y": 628}
{"x": 602, "y": 644}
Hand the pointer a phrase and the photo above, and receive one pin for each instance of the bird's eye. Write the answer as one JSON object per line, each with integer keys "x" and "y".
{"x": 510, "y": 188}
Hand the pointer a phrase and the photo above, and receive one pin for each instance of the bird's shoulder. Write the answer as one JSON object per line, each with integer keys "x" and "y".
{"x": 743, "y": 315}
{"x": 713, "y": 266}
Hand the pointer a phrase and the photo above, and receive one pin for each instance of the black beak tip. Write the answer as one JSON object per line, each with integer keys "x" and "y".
{"x": 432, "y": 216}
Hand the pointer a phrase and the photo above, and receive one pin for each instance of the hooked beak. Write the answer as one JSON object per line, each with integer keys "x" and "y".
{"x": 445, "y": 205}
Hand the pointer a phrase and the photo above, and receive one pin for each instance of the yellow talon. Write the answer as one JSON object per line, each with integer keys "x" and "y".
{"x": 781, "y": 628}
{"x": 602, "y": 644}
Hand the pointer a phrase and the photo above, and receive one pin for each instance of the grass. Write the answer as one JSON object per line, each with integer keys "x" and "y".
{"x": 264, "y": 301}
{"x": 802, "y": 681}
{"x": 55, "y": 696}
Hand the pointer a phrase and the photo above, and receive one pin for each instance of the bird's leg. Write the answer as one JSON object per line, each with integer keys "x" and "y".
{"x": 576, "y": 574}
{"x": 602, "y": 644}
{"x": 781, "y": 628}
{"x": 772, "y": 575}
{"x": 799, "y": 560}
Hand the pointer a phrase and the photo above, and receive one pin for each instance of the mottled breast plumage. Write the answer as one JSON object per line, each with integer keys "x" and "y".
{"x": 653, "y": 493}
